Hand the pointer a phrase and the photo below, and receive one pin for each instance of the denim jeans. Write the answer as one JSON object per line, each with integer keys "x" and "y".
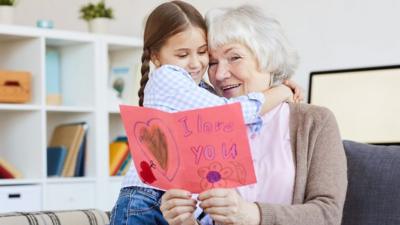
{"x": 138, "y": 205}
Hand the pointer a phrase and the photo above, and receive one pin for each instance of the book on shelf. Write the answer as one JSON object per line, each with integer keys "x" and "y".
{"x": 121, "y": 138}
{"x": 8, "y": 171}
{"x": 123, "y": 168}
{"x": 78, "y": 153}
{"x": 53, "y": 77}
{"x": 80, "y": 162}
{"x": 119, "y": 151}
{"x": 126, "y": 168}
{"x": 55, "y": 160}
{"x": 72, "y": 136}
{"x": 75, "y": 153}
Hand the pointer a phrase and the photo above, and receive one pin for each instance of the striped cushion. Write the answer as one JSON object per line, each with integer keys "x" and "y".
{"x": 68, "y": 217}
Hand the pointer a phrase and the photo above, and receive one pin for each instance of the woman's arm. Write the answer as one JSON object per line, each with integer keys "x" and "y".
{"x": 275, "y": 96}
{"x": 172, "y": 88}
{"x": 326, "y": 180}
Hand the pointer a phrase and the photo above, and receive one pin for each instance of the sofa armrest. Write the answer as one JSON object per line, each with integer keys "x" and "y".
{"x": 67, "y": 217}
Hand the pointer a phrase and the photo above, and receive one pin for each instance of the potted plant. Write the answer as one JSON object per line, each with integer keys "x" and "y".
{"x": 97, "y": 16}
{"x": 7, "y": 11}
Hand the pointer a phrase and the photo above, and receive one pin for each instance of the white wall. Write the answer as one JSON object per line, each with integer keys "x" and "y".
{"x": 329, "y": 34}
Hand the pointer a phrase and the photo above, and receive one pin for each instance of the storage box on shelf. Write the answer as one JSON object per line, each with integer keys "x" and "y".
{"x": 15, "y": 86}
{"x": 79, "y": 194}
{"x": 84, "y": 65}
{"x": 20, "y": 198}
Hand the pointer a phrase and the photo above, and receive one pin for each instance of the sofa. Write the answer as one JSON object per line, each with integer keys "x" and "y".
{"x": 373, "y": 193}
{"x": 67, "y": 217}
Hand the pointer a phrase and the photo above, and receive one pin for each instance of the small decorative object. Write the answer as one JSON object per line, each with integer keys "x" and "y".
{"x": 122, "y": 84}
{"x": 7, "y": 11}
{"x": 47, "y": 24}
{"x": 97, "y": 16}
{"x": 120, "y": 77}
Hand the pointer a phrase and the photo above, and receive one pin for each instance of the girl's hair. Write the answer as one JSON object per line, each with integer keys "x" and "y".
{"x": 164, "y": 22}
{"x": 262, "y": 34}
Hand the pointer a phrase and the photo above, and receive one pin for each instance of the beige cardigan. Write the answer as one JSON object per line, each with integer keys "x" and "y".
{"x": 321, "y": 171}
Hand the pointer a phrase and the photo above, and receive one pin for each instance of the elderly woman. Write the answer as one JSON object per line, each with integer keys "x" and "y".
{"x": 298, "y": 155}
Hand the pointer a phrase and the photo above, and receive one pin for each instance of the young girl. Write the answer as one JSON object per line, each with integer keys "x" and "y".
{"x": 175, "y": 42}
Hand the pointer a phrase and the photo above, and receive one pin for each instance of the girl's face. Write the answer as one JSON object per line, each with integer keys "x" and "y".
{"x": 234, "y": 71}
{"x": 187, "y": 49}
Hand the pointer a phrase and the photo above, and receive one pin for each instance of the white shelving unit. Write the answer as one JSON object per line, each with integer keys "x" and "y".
{"x": 25, "y": 129}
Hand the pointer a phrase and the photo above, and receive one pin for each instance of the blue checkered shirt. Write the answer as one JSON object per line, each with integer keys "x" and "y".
{"x": 171, "y": 89}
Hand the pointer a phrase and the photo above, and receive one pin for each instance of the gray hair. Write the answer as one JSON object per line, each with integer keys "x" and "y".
{"x": 263, "y": 35}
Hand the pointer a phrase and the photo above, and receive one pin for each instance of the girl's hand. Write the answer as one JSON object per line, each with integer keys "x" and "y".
{"x": 298, "y": 93}
{"x": 226, "y": 206}
{"x": 178, "y": 207}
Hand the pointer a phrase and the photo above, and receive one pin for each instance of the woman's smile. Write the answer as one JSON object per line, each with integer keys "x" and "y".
{"x": 230, "y": 89}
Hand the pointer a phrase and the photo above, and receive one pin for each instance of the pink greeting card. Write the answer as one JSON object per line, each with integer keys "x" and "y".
{"x": 193, "y": 150}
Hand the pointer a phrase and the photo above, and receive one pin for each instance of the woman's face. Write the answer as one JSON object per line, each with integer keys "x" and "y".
{"x": 188, "y": 50}
{"x": 234, "y": 71}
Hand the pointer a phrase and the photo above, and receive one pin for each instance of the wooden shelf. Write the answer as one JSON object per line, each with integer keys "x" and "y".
{"x": 71, "y": 109}
{"x": 19, "y": 107}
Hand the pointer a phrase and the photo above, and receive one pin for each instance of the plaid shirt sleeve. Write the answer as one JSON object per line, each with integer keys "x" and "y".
{"x": 171, "y": 88}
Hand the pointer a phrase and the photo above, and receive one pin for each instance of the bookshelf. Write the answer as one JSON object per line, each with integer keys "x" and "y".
{"x": 86, "y": 61}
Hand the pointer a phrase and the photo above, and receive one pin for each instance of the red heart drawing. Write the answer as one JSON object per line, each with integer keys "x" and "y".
{"x": 146, "y": 173}
{"x": 159, "y": 146}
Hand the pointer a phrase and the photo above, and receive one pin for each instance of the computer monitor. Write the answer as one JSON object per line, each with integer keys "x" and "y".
{"x": 365, "y": 101}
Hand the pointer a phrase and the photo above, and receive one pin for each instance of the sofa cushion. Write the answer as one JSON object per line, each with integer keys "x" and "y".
{"x": 373, "y": 194}
{"x": 68, "y": 217}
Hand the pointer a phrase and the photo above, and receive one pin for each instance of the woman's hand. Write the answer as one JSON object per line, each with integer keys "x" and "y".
{"x": 298, "y": 93}
{"x": 226, "y": 206}
{"x": 178, "y": 207}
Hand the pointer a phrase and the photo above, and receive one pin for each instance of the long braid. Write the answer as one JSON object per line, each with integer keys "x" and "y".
{"x": 145, "y": 74}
